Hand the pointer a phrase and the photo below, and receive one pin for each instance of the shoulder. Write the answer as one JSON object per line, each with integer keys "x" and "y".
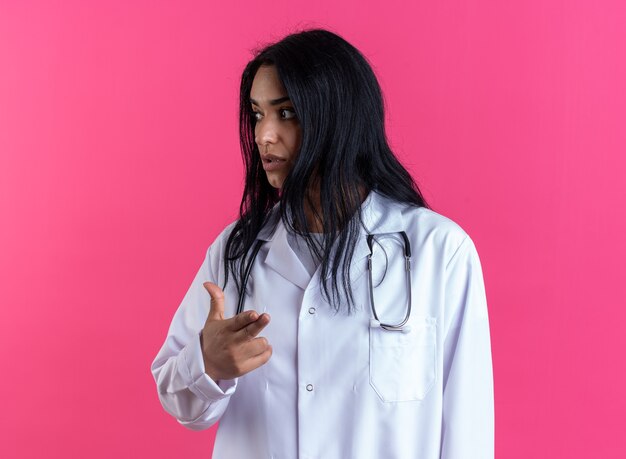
{"x": 219, "y": 243}
{"x": 218, "y": 247}
{"x": 444, "y": 233}
{"x": 432, "y": 224}
{"x": 433, "y": 231}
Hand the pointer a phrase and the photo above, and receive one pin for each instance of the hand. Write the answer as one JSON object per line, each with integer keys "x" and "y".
{"x": 230, "y": 347}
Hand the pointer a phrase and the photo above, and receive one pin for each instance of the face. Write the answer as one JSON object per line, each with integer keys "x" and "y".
{"x": 277, "y": 131}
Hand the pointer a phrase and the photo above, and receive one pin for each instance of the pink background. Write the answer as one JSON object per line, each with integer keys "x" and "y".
{"x": 119, "y": 164}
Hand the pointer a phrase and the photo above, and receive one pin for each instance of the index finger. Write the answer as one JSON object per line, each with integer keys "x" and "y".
{"x": 251, "y": 330}
{"x": 241, "y": 320}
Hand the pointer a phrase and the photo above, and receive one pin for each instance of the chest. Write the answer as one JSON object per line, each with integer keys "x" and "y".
{"x": 312, "y": 341}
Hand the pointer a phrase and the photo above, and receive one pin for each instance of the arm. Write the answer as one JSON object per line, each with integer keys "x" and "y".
{"x": 468, "y": 413}
{"x": 185, "y": 390}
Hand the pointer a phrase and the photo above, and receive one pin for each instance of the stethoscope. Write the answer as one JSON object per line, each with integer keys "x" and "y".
{"x": 376, "y": 322}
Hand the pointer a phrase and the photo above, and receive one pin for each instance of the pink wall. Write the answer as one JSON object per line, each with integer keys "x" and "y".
{"x": 119, "y": 165}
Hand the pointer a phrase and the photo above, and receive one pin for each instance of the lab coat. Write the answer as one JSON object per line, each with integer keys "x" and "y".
{"x": 337, "y": 385}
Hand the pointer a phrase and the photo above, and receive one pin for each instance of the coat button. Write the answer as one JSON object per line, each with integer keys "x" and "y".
{"x": 311, "y": 310}
{"x": 309, "y": 387}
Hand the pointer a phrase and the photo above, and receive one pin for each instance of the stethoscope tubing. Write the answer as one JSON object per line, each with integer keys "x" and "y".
{"x": 370, "y": 241}
{"x": 246, "y": 275}
{"x": 407, "y": 267}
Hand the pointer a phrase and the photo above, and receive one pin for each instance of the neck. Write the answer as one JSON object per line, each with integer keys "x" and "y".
{"x": 313, "y": 213}
{"x": 313, "y": 209}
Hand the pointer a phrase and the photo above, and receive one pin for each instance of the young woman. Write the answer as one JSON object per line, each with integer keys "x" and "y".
{"x": 352, "y": 321}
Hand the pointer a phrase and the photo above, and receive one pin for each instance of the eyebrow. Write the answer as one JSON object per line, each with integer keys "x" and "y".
{"x": 272, "y": 102}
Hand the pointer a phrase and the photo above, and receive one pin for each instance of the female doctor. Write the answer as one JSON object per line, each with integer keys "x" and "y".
{"x": 338, "y": 317}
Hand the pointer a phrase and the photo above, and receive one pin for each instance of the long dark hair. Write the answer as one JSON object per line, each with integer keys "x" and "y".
{"x": 344, "y": 153}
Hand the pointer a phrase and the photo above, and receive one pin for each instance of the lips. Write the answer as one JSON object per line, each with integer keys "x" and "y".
{"x": 272, "y": 162}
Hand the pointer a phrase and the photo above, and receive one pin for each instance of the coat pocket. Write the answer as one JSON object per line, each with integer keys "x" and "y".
{"x": 403, "y": 364}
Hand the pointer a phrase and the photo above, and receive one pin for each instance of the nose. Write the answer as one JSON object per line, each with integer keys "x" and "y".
{"x": 265, "y": 133}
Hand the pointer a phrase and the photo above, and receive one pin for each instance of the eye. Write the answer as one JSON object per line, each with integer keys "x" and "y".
{"x": 287, "y": 113}
{"x": 256, "y": 116}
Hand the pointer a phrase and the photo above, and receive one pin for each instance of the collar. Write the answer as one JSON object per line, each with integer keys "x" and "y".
{"x": 379, "y": 215}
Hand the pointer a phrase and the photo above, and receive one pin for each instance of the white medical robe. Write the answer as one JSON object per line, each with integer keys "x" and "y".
{"x": 338, "y": 386}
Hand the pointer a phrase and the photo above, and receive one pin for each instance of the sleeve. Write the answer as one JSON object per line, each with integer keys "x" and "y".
{"x": 468, "y": 405}
{"x": 185, "y": 390}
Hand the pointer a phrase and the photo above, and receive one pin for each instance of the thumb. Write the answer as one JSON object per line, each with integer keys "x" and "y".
{"x": 217, "y": 301}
